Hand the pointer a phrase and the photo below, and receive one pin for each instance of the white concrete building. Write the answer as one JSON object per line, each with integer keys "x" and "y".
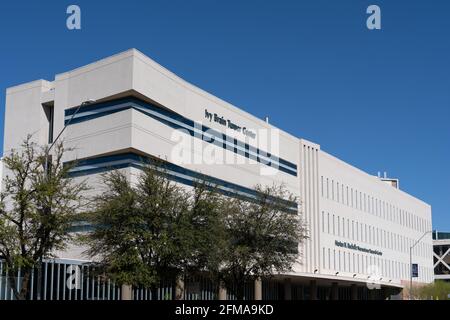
{"x": 360, "y": 227}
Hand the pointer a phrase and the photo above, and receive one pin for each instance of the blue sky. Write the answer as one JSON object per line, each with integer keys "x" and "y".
{"x": 377, "y": 99}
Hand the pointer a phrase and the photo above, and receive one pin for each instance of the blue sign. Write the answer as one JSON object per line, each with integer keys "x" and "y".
{"x": 415, "y": 270}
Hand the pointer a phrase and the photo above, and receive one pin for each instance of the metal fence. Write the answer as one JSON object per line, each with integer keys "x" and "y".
{"x": 61, "y": 280}
{"x": 75, "y": 280}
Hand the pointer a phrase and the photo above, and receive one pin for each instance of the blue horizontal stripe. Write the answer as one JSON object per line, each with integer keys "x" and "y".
{"x": 171, "y": 118}
{"x": 174, "y": 172}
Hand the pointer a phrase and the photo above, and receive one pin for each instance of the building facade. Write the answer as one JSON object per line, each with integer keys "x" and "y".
{"x": 126, "y": 106}
{"x": 441, "y": 255}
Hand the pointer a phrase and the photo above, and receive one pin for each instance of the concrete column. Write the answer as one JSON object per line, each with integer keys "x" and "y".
{"x": 354, "y": 292}
{"x": 287, "y": 289}
{"x": 258, "y": 289}
{"x": 222, "y": 292}
{"x": 126, "y": 292}
{"x": 179, "y": 289}
{"x": 334, "y": 291}
{"x": 313, "y": 289}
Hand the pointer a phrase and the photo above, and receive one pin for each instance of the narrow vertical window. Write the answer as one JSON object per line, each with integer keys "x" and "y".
{"x": 347, "y": 195}
{"x": 334, "y": 226}
{"x": 328, "y": 189}
{"x": 353, "y": 230}
{"x": 338, "y": 226}
{"x": 49, "y": 114}
{"x": 328, "y": 223}
{"x": 332, "y": 189}
{"x": 348, "y": 228}
{"x": 353, "y": 263}
{"x": 323, "y": 221}
{"x": 337, "y": 191}
{"x": 321, "y": 184}
{"x": 334, "y": 259}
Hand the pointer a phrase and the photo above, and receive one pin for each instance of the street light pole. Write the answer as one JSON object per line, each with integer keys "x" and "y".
{"x": 64, "y": 128}
{"x": 47, "y": 154}
{"x": 410, "y": 261}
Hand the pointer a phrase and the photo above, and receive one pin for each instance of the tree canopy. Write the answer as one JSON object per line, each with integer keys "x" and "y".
{"x": 154, "y": 229}
{"x": 262, "y": 236}
{"x": 39, "y": 203}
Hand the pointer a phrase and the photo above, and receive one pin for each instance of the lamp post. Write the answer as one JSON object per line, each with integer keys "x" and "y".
{"x": 47, "y": 153}
{"x": 70, "y": 120}
{"x": 410, "y": 261}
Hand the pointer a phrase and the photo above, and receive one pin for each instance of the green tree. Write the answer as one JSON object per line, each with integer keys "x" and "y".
{"x": 438, "y": 290}
{"x": 114, "y": 243}
{"x": 262, "y": 237}
{"x": 38, "y": 204}
{"x": 135, "y": 239}
{"x": 203, "y": 234}
{"x": 149, "y": 228}
{"x": 152, "y": 229}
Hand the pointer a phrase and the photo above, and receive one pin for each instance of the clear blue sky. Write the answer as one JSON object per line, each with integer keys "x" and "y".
{"x": 377, "y": 99}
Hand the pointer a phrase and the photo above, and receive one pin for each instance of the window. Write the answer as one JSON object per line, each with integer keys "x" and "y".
{"x": 351, "y": 194}
{"x": 345, "y": 264}
{"x": 371, "y": 206}
{"x": 334, "y": 259}
{"x": 347, "y": 195}
{"x": 348, "y": 228}
{"x": 353, "y": 230}
{"x": 367, "y": 263}
{"x": 334, "y": 226}
{"x": 328, "y": 223}
{"x": 339, "y": 261}
{"x": 49, "y": 113}
{"x": 323, "y": 221}
{"x": 337, "y": 191}
{"x": 328, "y": 190}
{"x": 338, "y": 226}
{"x": 353, "y": 262}
{"x": 329, "y": 259}
{"x": 321, "y": 184}
{"x": 323, "y": 257}
{"x": 332, "y": 189}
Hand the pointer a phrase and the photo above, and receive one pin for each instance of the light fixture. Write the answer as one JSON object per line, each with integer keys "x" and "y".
{"x": 89, "y": 101}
